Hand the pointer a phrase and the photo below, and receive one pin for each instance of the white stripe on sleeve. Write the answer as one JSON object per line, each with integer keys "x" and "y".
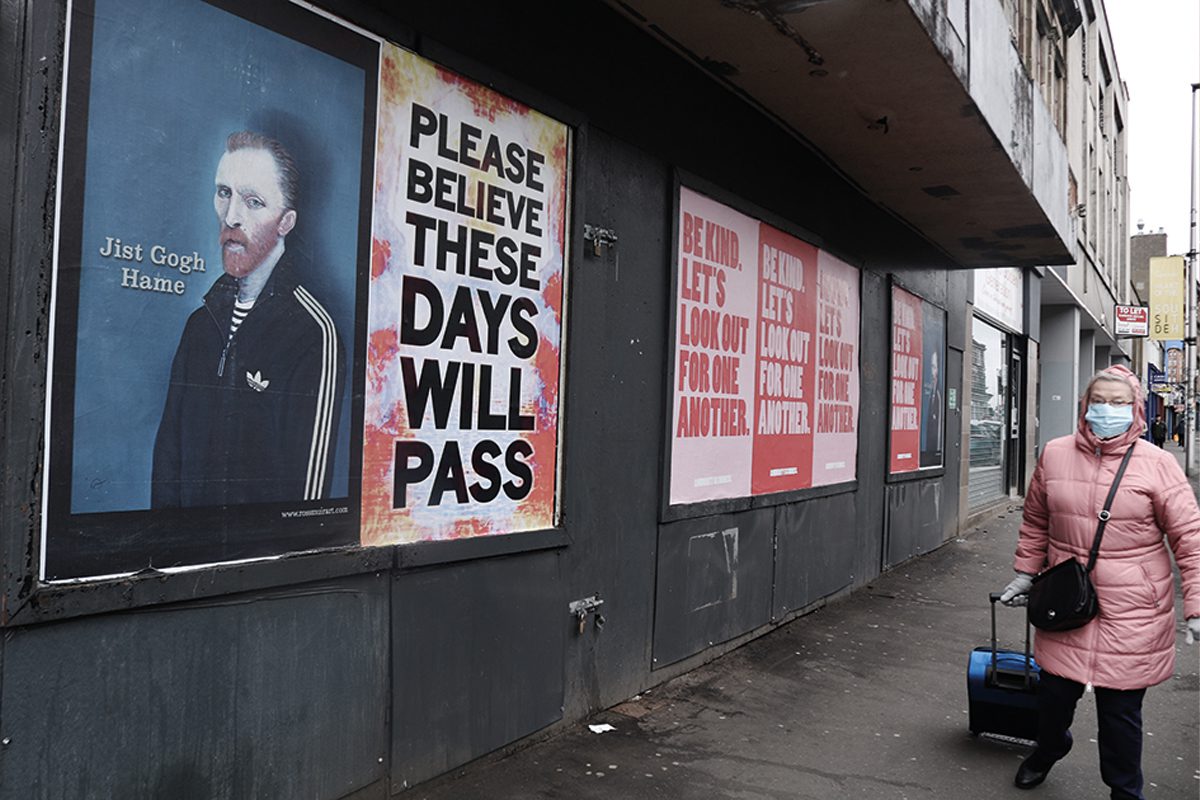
{"x": 318, "y": 452}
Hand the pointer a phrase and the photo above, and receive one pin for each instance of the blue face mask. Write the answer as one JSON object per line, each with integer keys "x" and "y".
{"x": 1108, "y": 420}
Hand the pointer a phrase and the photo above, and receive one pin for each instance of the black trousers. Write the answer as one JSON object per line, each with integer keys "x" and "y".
{"x": 1119, "y": 714}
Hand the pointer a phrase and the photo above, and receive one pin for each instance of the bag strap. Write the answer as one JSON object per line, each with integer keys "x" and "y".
{"x": 1104, "y": 515}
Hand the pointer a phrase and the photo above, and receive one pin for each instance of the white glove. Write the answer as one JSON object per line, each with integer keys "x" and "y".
{"x": 1017, "y": 592}
{"x": 1193, "y": 630}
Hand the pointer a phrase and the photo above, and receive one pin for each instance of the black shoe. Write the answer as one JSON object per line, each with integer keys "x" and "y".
{"x": 1029, "y": 777}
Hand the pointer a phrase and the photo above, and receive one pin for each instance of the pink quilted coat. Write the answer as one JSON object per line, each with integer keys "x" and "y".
{"x": 1131, "y": 643}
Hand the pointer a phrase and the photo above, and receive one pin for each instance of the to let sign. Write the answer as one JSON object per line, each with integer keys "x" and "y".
{"x": 1132, "y": 320}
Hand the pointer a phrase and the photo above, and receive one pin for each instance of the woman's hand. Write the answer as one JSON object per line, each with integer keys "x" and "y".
{"x": 1017, "y": 592}
{"x": 1193, "y": 630}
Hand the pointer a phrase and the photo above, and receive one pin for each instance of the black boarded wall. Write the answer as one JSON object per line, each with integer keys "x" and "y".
{"x": 613, "y": 414}
{"x": 432, "y": 646}
{"x": 255, "y": 695}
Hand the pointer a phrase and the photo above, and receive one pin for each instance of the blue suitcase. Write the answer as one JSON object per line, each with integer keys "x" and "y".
{"x": 1002, "y": 688}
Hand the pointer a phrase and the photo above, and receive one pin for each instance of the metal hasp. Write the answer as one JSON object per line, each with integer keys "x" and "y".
{"x": 599, "y": 237}
{"x": 581, "y": 608}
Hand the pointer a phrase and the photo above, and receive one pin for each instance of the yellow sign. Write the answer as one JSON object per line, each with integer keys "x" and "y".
{"x": 1166, "y": 297}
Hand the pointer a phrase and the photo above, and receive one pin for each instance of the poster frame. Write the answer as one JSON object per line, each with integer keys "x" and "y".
{"x": 920, "y": 473}
{"x": 268, "y": 538}
{"x": 424, "y": 552}
{"x": 421, "y": 554}
{"x": 40, "y": 54}
{"x": 728, "y": 505}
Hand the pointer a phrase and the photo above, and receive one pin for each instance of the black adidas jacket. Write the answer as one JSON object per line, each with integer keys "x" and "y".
{"x": 253, "y": 419}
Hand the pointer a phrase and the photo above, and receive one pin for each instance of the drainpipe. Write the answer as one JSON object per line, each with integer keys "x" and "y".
{"x": 1190, "y": 332}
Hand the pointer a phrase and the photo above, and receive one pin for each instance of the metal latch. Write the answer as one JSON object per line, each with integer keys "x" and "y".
{"x": 581, "y": 608}
{"x": 599, "y": 237}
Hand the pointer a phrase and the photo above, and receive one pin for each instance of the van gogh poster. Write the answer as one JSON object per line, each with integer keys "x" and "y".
{"x": 214, "y": 222}
{"x": 465, "y": 323}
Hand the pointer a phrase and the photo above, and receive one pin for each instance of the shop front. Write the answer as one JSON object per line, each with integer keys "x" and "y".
{"x": 997, "y": 380}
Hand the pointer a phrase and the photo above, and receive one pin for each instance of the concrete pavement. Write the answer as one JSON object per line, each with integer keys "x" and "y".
{"x": 865, "y": 698}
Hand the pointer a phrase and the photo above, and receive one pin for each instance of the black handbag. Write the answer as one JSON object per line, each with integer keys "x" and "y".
{"x": 1062, "y": 598}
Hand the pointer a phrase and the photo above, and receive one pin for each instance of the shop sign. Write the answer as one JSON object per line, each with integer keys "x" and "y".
{"x": 999, "y": 293}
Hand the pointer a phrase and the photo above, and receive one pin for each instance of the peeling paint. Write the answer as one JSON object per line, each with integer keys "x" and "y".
{"x": 1025, "y": 232}
{"x": 720, "y": 68}
{"x": 766, "y": 12}
{"x": 945, "y": 34}
{"x": 979, "y": 244}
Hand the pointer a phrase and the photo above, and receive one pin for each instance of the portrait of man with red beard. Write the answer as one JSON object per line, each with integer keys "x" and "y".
{"x": 253, "y": 404}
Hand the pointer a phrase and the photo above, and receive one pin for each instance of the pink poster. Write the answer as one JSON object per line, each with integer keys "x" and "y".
{"x": 465, "y": 312}
{"x": 716, "y": 314}
{"x": 765, "y": 395}
{"x": 835, "y": 437}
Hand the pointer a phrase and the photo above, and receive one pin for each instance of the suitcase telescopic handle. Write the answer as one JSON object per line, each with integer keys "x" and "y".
{"x": 993, "y": 598}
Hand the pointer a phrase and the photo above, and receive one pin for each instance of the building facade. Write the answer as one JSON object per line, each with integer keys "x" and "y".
{"x": 1077, "y": 300}
{"x": 1159, "y": 362}
{"x": 1037, "y": 335}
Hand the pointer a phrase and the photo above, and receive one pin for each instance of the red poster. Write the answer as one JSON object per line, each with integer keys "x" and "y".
{"x": 784, "y": 373}
{"x": 906, "y": 381}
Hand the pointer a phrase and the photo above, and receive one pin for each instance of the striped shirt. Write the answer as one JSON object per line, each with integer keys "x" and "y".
{"x": 240, "y": 311}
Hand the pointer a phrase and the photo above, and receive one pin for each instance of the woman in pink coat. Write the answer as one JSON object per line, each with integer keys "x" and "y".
{"x": 1130, "y": 644}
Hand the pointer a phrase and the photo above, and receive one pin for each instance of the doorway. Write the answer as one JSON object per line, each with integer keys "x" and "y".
{"x": 1017, "y": 392}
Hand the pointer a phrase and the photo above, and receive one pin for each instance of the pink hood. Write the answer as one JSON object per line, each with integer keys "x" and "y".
{"x": 1136, "y": 430}
{"x": 1131, "y": 643}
